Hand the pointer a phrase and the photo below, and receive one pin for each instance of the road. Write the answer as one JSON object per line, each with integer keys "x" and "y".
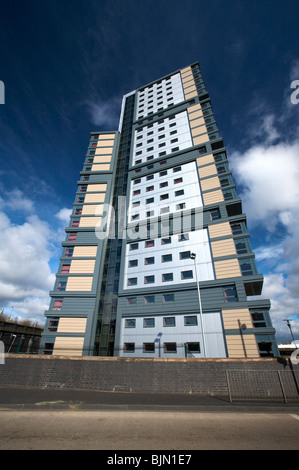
{"x": 42, "y": 419}
{"x": 146, "y": 430}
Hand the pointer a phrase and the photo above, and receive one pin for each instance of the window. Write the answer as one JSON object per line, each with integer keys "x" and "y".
{"x": 148, "y": 347}
{"x": 184, "y": 254}
{"x": 163, "y": 173}
{"x": 69, "y": 252}
{"x": 170, "y": 347}
{"x": 61, "y": 286}
{"x": 135, "y": 193}
{"x": 164, "y": 184}
{"x": 164, "y": 210}
{"x": 130, "y": 323}
{"x": 137, "y": 181}
{"x": 246, "y": 267}
{"x": 48, "y": 349}
{"x": 178, "y": 180}
{"x": 133, "y": 263}
{"x": 190, "y": 320}
{"x": 65, "y": 268}
{"x": 166, "y": 258}
{"x": 129, "y": 347}
{"x": 132, "y": 281}
{"x": 150, "y": 260}
{"x": 72, "y": 237}
{"x": 132, "y": 300}
{"x": 169, "y": 321}
{"x": 258, "y": 320}
{"x": 165, "y": 241}
{"x": 164, "y": 196}
{"x": 230, "y": 294}
{"x": 75, "y": 223}
{"x": 167, "y": 277}
{"x": 179, "y": 193}
{"x": 149, "y": 279}
{"x": 180, "y": 206}
{"x": 215, "y": 214}
{"x": 57, "y": 304}
{"x": 135, "y": 217}
{"x": 150, "y": 200}
{"x": 236, "y": 228}
{"x": 149, "y": 243}
{"x": 176, "y": 169}
{"x": 183, "y": 237}
{"x": 149, "y": 177}
{"x": 149, "y": 188}
{"x": 150, "y": 213}
{"x": 187, "y": 275}
{"x": 241, "y": 247}
{"x": 148, "y": 323}
{"x": 149, "y": 299}
{"x": 53, "y": 324}
{"x": 193, "y": 348}
{"x": 134, "y": 246}
{"x": 168, "y": 297}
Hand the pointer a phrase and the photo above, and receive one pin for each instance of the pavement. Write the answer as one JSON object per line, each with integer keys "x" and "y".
{"x": 28, "y": 398}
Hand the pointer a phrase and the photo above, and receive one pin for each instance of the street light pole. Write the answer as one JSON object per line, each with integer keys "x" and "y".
{"x": 290, "y": 327}
{"x": 193, "y": 256}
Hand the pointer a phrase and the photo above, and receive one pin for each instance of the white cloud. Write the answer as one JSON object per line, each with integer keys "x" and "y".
{"x": 268, "y": 175}
{"x": 105, "y": 113}
{"x": 26, "y": 251}
{"x": 64, "y": 215}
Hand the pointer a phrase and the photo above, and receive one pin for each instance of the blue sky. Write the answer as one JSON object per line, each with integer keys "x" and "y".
{"x": 66, "y": 64}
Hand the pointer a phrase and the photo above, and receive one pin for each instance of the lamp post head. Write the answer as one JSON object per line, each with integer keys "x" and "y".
{"x": 192, "y": 255}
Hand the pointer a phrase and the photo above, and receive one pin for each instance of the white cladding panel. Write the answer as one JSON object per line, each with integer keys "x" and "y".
{"x": 180, "y": 334}
{"x": 154, "y": 261}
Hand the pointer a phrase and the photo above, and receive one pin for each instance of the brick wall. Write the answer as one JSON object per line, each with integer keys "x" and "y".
{"x": 199, "y": 376}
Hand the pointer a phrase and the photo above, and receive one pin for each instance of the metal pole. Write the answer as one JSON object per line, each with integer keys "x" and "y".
{"x": 193, "y": 256}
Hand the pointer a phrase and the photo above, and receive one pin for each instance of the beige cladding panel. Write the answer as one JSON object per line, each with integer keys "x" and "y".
{"x": 68, "y": 346}
{"x": 78, "y": 284}
{"x": 223, "y": 248}
{"x": 92, "y": 209}
{"x": 210, "y": 183}
{"x": 244, "y": 346}
{"x": 89, "y": 221}
{"x": 195, "y": 124}
{"x": 190, "y": 88}
{"x": 201, "y": 139}
{"x": 105, "y": 143}
{"x": 106, "y": 136}
{"x": 186, "y": 69}
{"x": 95, "y": 188}
{"x": 99, "y": 197}
{"x": 205, "y": 160}
{"x": 232, "y": 319}
{"x": 213, "y": 197}
{"x": 207, "y": 171}
{"x": 79, "y": 266}
{"x": 102, "y": 159}
{"x": 194, "y": 119}
{"x": 190, "y": 95}
{"x": 220, "y": 230}
{"x": 71, "y": 325}
{"x": 227, "y": 268}
{"x": 104, "y": 151}
{"x": 85, "y": 251}
{"x": 101, "y": 167}
{"x": 192, "y": 109}
{"x": 199, "y": 130}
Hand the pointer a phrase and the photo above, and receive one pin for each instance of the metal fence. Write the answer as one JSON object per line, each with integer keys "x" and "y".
{"x": 261, "y": 385}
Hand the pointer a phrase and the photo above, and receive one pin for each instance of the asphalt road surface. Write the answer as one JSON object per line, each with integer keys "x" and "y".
{"x": 47, "y": 419}
{"x": 73, "y": 429}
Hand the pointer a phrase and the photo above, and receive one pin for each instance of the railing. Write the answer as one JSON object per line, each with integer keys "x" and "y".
{"x": 263, "y": 385}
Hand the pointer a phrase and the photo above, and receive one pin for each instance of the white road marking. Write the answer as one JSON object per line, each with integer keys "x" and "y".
{"x": 295, "y": 416}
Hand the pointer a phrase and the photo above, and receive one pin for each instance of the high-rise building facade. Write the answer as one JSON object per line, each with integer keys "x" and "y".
{"x": 157, "y": 260}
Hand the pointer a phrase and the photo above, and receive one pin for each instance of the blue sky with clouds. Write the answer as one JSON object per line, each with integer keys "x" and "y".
{"x": 66, "y": 64}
